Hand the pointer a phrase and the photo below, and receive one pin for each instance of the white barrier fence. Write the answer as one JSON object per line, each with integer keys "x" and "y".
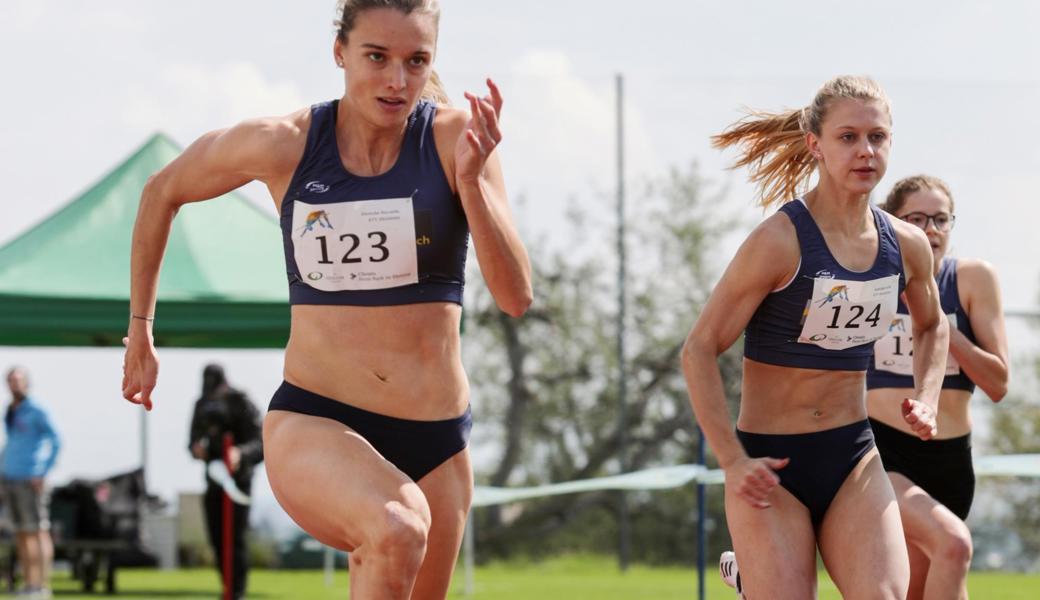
{"x": 661, "y": 478}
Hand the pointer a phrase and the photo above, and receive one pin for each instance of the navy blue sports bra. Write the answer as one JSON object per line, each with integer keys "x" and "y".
{"x": 892, "y": 366}
{"x": 827, "y": 317}
{"x": 397, "y": 238}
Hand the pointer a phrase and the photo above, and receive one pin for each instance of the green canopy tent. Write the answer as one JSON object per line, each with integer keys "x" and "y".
{"x": 65, "y": 281}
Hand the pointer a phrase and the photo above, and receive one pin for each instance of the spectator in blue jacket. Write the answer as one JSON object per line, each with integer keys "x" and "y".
{"x": 32, "y": 447}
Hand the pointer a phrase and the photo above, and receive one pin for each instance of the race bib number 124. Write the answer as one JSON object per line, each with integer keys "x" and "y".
{"x": 843, "y": 314}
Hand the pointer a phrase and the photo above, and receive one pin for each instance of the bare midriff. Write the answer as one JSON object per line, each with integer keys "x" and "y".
{"x": 788, "y": 400}
{"x": 400, "y": 361}
{"x": 954, "y": 419}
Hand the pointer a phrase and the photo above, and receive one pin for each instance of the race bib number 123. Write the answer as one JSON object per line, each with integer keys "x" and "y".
{"x": 361, "y": 245}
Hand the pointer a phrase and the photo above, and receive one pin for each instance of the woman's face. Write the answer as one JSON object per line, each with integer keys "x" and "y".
{"x": 853, "y": 145}
{"x": 932, "y": 211}
{"x": 387, "y": 61}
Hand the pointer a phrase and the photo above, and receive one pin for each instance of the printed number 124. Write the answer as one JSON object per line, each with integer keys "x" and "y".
{"x": 853, "y": 322}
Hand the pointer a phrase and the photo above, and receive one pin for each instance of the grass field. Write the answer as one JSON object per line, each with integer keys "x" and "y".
{"x": 565, "y": 578}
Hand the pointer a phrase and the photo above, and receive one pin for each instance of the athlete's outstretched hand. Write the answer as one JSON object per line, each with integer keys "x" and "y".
{"x": 921, "y": 418}
{"x": 481, "y": 135}
{"x": 754, "y": 479}
{"x": 140, "y": 370}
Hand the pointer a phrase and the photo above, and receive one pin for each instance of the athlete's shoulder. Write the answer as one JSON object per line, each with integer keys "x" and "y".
{"x": 907, "y": 233}
{"x": 975, "y": 272}
{"x": 771, "y": 251}
{"x": 449, "y": 121}
{"x": 913, "y": 243}
{"x": 776, "y": 232}
{"x": 265, "y": 147}
{"x": 278, "y": 136}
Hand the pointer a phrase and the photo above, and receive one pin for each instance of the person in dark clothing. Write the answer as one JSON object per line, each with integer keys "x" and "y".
{"x": 222, "y": 409}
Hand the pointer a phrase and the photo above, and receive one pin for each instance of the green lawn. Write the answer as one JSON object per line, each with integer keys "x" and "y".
{"x": 565, "y": 578}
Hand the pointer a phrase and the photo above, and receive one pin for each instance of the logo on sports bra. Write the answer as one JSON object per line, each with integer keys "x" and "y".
{"x": 315, "y": 218}
{"x": 316, "y": 186}
{"x": 823, "y": 274}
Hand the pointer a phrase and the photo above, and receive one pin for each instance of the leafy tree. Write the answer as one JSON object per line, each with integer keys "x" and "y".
{"x": 547, "y": 383}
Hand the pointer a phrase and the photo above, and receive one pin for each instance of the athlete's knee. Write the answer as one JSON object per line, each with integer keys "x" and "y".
{"x": 956, "y": 545}
{"x": 403, "y": 530}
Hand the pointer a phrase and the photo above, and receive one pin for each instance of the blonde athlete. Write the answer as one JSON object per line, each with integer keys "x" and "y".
{"x": 378, "y": 191}
{"x": 812, "y": 288}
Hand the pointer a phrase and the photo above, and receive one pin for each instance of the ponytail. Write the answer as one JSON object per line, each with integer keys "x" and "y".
{"x": 434, "y": 90}
{"x": 773, "y": 144}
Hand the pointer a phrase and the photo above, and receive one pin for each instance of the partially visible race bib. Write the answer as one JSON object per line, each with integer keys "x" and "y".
{"x": 362, "y": 245}
{"x": 895, "y": 351}
{"x": 843, "y": 314}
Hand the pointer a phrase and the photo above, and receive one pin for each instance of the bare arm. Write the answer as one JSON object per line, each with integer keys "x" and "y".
{"x": 766, "y": 260}
{"x": 215, "y": 164}
{"x": 984, "y": 362}
{"x": 931, "y": 330}
{"x": 478, "y": 180}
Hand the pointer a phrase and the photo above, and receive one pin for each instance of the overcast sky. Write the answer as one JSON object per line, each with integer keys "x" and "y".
{"x": 85, "y": 83}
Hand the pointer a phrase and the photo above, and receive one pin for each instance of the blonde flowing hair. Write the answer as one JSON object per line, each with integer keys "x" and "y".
{"x": 772, "y": 144}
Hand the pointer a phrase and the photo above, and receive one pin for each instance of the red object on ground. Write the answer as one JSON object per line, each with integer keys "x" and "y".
{"x": 229, "y": 523}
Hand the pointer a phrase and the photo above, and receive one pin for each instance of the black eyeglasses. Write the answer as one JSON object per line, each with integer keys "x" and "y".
{"x": 942, "y": 221}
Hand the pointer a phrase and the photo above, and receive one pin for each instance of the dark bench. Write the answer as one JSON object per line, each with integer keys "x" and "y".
{"x": 95, "y": 525}
{"x": 90, "y": 560}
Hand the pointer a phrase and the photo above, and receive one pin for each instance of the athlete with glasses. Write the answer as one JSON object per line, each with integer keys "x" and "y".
{"x": 934, "y": 480}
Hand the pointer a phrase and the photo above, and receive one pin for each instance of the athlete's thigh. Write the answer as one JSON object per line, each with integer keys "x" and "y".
{"x": 449, "y": 490}
{"x": 331, "y": 481}
{"x": 926, "y": 521}
{"x": 775, "y": 546}
{"x": 861, "y": 536}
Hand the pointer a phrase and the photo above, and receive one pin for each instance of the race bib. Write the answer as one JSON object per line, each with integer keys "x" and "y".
{"x": 843, "y": 314}
{"x": 895, "y": 351}
{"x": 363, "y": 245}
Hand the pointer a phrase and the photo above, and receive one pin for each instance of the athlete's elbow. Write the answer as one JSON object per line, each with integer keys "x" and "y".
{"x": 155, "y": 194}
{"x": 153, "y": 187}
{"x": 517, "y": 304}
{"x": 696, "y": 349}
{"x": 996, "y": 391}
